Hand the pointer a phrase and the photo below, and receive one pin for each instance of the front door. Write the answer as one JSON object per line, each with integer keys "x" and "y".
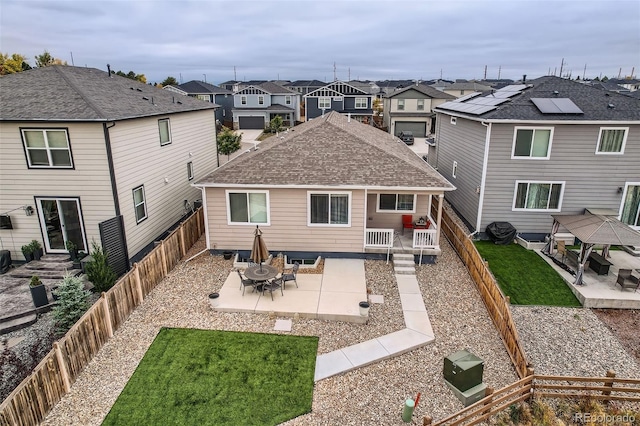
{"x": 61, "y": 221}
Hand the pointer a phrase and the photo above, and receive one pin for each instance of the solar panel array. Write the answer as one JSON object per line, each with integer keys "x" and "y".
{"x": 477, "y": 105}
{"x": 556, "y": 106}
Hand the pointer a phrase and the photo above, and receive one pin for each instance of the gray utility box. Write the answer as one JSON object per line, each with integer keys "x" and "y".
{"x": 463, "y": 370}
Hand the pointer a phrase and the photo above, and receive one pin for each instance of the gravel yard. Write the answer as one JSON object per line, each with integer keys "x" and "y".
{"x": 371, "y": 395}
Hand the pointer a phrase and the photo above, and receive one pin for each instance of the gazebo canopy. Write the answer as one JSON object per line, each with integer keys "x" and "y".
{"x": 599, "y": 229}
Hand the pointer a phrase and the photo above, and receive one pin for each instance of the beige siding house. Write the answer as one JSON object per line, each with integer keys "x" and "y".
{"x": 331, "y": 187}
{"x": 79, "y": 148}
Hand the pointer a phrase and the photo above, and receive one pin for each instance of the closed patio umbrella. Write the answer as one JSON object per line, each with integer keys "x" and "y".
{"x": 259, "y": 252}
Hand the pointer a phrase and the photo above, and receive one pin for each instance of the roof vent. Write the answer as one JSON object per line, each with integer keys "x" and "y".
{"x": 139, "y": 89}
{"x": 179, "y": 102}
{"x": 145, "y": 98}
{"x": 132, "y": 88}
{"x": 555, "y": 92}
{"x": 611, "y": 106}
{"x": 109, "y": 69}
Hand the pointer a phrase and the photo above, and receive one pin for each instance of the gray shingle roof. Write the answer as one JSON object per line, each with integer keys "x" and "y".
{"x": 330, "y": 151}
{"x": 425, "y": 90}
{"x": 467, "y": 85}
{"x": 195, "y": 87}
{"x": 275, "y": 89}
{"x": 64, "y": 93}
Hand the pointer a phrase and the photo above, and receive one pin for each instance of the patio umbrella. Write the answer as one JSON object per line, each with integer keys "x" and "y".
{"x": 259, "y": 251}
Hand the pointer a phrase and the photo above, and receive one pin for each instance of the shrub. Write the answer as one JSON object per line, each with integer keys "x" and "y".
{"x": 72, "y": 303}
{"x": 35, "y": 281}
{"x": 35, "y": 245}
{"x": 27, "y": 249}
{"x": 98, "y": 270}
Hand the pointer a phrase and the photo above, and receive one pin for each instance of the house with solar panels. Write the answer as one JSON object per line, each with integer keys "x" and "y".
{"x": 524, "y": 152}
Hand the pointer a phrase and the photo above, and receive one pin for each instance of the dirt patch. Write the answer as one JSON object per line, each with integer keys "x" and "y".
{"x": 624, "y": 323}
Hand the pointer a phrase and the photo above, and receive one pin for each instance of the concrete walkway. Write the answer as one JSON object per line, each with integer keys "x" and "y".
{"x": 418, "y": 332}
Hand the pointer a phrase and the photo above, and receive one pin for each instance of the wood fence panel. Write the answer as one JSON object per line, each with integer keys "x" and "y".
{"x": 172, "y": 249}
{"x": 151, "y": 270}
{"x": 122, "y": 299}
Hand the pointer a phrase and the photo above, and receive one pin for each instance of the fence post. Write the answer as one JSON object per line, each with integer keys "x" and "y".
{"x": 136, "y": 273}
{"x": 488, "y": 393}
{"x": 63, "y": 367}
{"x": 182, "y": 246}
{"x": 609, "y": 384}
{"x": 165, "y": 268}
{"x": 107, "y": 314}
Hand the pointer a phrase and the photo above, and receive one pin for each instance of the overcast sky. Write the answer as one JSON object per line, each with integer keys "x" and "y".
{"x": 303, "y": 39}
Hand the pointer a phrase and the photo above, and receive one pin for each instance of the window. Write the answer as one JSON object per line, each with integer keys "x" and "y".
{"x": 361, "y": 103}
{"x": 396, "y": 202}
{"x": 287, "y": 100}
{"x": 165, "y": 131}
{"x": 630, "y": 213}
{"x": 260, "y": 100}
{"x": 139, "y": 204}
{"x": 612, "y": 140}
{"x": 324, "y": 103}
{"x": 331, "y": 209}
{"x": 454, "y": 169}
{"x": 538, "y": 196}
{"x": 204, "y": 97}
{"x": 47, "y": 148}
{"x": 247, "y": 207}
{"x": 420, "y": 104}
{"x": 243, "y": 100}
{"x": 190, "y": 170}
{"x": 454, "y": 120}
{"x": 532, "y": 143}
{"x": 400, "y": 104}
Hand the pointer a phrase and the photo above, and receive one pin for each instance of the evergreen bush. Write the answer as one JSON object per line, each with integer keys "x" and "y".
{"x": 72, "y": 303}
{"x": 98, "y": 270}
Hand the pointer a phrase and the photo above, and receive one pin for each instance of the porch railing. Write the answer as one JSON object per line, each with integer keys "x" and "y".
{"x": 424, "y": 238}
{"x": 381, "y": 238}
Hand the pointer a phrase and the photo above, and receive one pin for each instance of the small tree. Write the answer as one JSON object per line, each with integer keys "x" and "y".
{"x": 72, "y": 303}
{"x": 98, "y": 270}
{"x": 169, "y": 81}
{"x": 228, "y": 142}
{"x": 275, "y": 125}
{"x": 377, "y": 107}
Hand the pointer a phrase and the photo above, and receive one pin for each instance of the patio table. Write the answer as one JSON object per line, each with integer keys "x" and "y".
{"x": 261, "y": 273}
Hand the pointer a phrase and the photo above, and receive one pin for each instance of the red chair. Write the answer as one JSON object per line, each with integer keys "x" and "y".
{"x": 407, "y": 222}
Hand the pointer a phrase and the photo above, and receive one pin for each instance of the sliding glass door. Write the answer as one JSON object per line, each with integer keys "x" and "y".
{"x": 61, "y": 221}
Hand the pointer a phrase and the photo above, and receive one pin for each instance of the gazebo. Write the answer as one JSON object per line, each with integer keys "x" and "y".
{"x": 592, "y": 229}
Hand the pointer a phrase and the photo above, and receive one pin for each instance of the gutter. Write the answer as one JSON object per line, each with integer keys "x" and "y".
{"x": 483, "y": 180}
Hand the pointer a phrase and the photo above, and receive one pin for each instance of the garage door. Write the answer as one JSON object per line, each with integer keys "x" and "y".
{"x": 418, "y": 128}
{"x": 251, "y": 122}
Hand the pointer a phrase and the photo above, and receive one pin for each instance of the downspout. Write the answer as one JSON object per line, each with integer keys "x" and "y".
{"x": 484, "y": 173}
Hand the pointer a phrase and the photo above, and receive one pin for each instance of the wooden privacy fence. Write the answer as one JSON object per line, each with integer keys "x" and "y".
{"x": 53, "y": 376}
{"x": 496, "y": 303}
{"x": 605, "y": 389}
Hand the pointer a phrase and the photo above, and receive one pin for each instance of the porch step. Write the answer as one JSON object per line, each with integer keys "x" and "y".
{"x": 56, "y": 258}
{"x": 404, "y": 263}
{"x": 404, "y": 270}
{"x": 403, "y": 256}
{"x": 39, "y": 265}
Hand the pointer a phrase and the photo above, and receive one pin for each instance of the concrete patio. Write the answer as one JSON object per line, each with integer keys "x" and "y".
{"x": 602, "y": 291}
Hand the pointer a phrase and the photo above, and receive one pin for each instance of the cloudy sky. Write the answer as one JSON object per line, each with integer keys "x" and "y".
{"x": 302, "y": 39}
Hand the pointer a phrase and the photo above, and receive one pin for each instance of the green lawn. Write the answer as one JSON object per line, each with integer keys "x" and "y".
{"x": 525, "y": 277}
{"x": 210, "y": 377}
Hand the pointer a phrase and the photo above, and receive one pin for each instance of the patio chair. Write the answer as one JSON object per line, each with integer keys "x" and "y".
{"x": 626, "y": 280}
{"x": 292, "y": 276}
{"x": 246, "y": 282}
{"x": 407, "y": 222}
{"x": 272, "y": 285}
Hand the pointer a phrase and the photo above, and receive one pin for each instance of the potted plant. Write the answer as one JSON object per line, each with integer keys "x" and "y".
{"x": 36, "y": 248}
{"x": 72, "y": 248}
{"x": 27, "y": 252}
{"x": 227, "y": 254}
{"x": 38, "y": 292}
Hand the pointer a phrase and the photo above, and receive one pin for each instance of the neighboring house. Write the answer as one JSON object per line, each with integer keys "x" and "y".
{"x": 333, "y": 187}
{"x": 231, "y": 85}
{"x": 462, "y": 88}
{"x": 441, "y": 84}
{"x": 526, "y": 152}
{"x": 97, "y": 157}
{"x": 341, "y": 97}
{"x": 304, "y": 86}
{"x": 214, "y": 94}
{"x": 612, "y": 87}
{"x": 411, "y": 109}
{"x": 632, "y": 84}
{"x": 255, "y": 106}
{"x": 387, "y": 87}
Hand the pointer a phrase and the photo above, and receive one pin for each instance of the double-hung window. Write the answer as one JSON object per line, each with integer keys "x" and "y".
{"x": 612, "y": 140}
{"x": 538, "y": 196}
{"x": 396, "y": 203}
{"x": 243, "y": 100}
{"x": 533, "y": 143}
{"x": 329, "y": 209}
{"x": 361, "y": 103}
{"x": 139, "y": 203}
{"x": 260, "y": 100}
{"x": 164, "y": 128}
{"x": 287, "y": 100}
{"x": 400, "y": 104}
{"x": 248, "y": 207}
{"x": 420, "y": 104}
{"x": 47, "y": 148}
{"x": 324, "y": 103}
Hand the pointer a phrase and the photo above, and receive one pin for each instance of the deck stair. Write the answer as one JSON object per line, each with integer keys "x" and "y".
{"x": 404, "y": 264}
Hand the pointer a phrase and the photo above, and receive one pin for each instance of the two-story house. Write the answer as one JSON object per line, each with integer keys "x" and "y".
{"x": 255, "y": 106}
{"x": 462, "y": 88}
{"x": 527, "y": 151}
{"x": 304, "y": 86}
{"x": 341, "y": 97}
{"x": 85, "y": 155}
{"x": 214, "y": 94}
{"x": 411, "y": 108}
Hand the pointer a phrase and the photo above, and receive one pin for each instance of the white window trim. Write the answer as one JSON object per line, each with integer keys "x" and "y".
{"x": 243, "y": 100}
{"x": 190, "y": 173}
{"x": 454, "y": 169}
{"x": 328, "y": 225}
{"x": 551, "y": 182}
{"x": 363, "y": 103}
{"x": 168, "y": 129}
{"x": 624, "y": 196}
{"x": 379, "y": 210}
{"x": 287, "y": 100}
{"x": 229, "y": 222}
{"x": 453, "y": 120}
{"x": 419, "y": 105}
{"x": 144, "y": 202}
{"x": 401, "y": 104}
{"x": 515, "y": 134}
{"x": 46, "y": 147}
{"x": 324, "y": 100}
{"x": 624, "y": 140}
{"x": 261, "y": 100}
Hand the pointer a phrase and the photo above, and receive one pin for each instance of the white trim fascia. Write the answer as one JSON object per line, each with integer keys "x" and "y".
{"x": 327, "y": 187}
{"x": 624, "y": 140}
{"x": 483, "y": 179}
